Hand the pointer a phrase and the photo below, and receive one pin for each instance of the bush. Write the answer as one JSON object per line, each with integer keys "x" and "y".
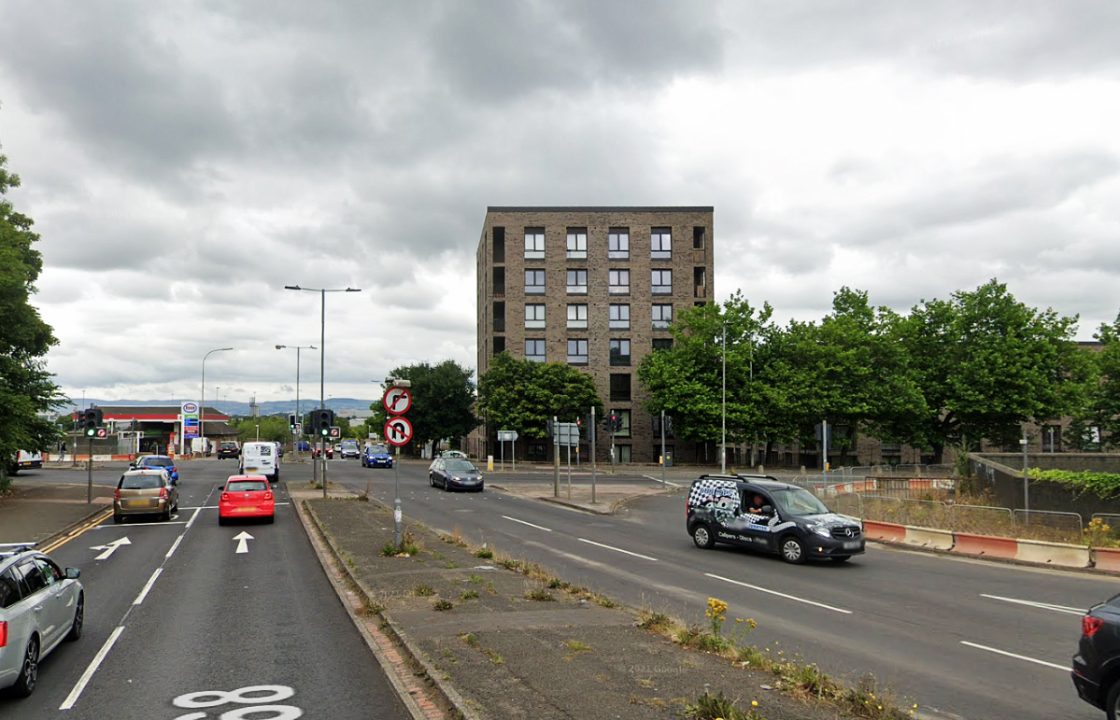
{"x": 1104, "y": 485}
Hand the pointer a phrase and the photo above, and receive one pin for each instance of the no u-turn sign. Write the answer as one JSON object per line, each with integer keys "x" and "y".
{"x": 398, "y": 431}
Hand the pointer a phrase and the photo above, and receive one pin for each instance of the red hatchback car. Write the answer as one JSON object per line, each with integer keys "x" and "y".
{"x": 246, "y": 496}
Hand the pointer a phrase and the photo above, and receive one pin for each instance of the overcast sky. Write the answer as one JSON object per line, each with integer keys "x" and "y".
{"x": 184, "y": 161}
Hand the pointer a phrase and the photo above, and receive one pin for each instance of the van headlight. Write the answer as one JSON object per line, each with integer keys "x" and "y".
{"x": 821, "y": 530}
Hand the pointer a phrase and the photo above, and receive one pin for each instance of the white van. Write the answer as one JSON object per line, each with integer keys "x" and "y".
{"x": 260, "y": 458}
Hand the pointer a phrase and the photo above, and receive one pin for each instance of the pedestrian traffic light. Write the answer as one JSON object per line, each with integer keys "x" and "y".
{"x": 323, "y": 419}
{"x": 612, "y": 422}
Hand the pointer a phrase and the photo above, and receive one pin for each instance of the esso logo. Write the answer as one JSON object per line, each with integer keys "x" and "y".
{"x": 190, "y": 407}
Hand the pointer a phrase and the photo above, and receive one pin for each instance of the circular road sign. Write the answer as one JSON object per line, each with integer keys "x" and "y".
{"x": 398, "y": 431}
{"x": 397, "y": 400}
{"x": 102, "y": 433}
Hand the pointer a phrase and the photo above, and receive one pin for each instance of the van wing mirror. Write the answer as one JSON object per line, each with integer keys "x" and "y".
{"x": 768, "y": 509}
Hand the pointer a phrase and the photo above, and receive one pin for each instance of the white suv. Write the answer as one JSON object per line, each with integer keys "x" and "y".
{"x": 40, "y": 606}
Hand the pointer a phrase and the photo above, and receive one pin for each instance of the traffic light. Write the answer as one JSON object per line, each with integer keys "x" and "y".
{"x": 292, "y": 421}
{"x": 91, "y": 420}
{"x": 612, "y": 422}
{"x": 322, "y": 421}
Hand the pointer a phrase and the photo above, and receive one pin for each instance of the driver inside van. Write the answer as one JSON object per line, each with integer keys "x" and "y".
{"x": 756, "y": 505}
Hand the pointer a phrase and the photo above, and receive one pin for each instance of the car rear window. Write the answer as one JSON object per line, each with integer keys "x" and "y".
{"x": 141, "y": 482}
{"x": 158, "y": 462}
{"x": 246, "y": 486}
{"x": 9, "y": 588}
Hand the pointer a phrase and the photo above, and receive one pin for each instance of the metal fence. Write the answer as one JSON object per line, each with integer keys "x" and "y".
{"x": 843, "y": 474}
{"x": 1104, "y": 529}
{"x": 1049, "y": 525}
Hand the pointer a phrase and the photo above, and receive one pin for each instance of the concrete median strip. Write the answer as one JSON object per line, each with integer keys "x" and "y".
{"x": 1107, "y": 559}
{"x": 884, "y": 531}
{"x": 929, "y": 538}
{"x": 1048, "y": 553}
{"x": 985, "y": 546}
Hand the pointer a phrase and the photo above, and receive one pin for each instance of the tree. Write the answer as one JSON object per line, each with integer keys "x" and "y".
{"x": 986, "y": 363}
{"x": 523, "y": 395}
{"x": 27, "y": 390}
{"x": 442, "y": 402}
{"x": 273, "y": 428}
{"x": 1103, "y": 392}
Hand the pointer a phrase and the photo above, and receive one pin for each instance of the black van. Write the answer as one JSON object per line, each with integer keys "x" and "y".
{"x": 759, "y": 512}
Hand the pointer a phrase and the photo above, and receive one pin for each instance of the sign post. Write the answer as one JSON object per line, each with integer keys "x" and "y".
{"x": 397, "y": 432}
{"x": 591, "y": 439}
{"x": 509, "y": 436}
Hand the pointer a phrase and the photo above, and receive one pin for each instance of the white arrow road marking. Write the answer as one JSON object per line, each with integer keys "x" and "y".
{"x": 110, "y": 548}
{"x": 243, "y": 539}
{"x": 1035, "y": 604}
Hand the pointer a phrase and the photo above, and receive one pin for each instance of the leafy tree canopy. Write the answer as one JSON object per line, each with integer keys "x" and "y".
{"x": 442, "y": 402}
{"x": 523, "y": 395}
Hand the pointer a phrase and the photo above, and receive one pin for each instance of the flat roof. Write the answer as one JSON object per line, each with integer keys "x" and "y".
{"x": 597, "y": 208}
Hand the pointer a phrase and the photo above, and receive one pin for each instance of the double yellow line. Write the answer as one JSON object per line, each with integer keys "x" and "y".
{"x": 75, "y": 532}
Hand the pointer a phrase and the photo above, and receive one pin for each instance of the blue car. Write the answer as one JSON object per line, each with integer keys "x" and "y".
{"x": 377, "y": 456}
{"x": 157, "y": 462}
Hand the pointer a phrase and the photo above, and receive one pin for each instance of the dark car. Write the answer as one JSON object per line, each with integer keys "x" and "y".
{"x": 455, "y": 474}
{"x": 1096, "y": 666}
{"x": 158, "y": 462}
{"x": 775, "y": 517}
{"x": 376, "y": 456}
{"x": 228, "y": 449}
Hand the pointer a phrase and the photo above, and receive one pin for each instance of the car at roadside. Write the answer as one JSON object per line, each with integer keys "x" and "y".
{"x": 376, "y": 456}
{"x": 316, "y": 451}
{"x": 41, "y": 605}
{"x": 157, "y": 462}
{"x": 455, "y": 474}
{"x": 1096, "y": 666}
{"x": 761, "y": 513}
{"x": 148, "y": 491}
{"x": 245, "y": 497}
{"x": 228, "y": 449}
{"x": 349, "y": 449}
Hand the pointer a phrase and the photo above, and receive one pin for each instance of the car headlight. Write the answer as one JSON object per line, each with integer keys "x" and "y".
{"x": 456, "y": 478}
{"x": 821, "y": 530}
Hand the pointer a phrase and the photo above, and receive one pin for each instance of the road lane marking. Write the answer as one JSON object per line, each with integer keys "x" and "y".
{"x": 147, "y": 587}
{"x": 997, "y": 651}
{"x": 659, "y": 481}
{"x": 80, "y": 530}
{"x": 781, "y": 594}
{"x": 242, "y": 539}
{"x": 1035, "y": 604}
{"x": 163, "y": 523}
{"x": 76, "y": 692}
{"x": 110, "y": 548}
{"x": 194, "y": 517}
{"x": 609, "y": 547}
{"x": 538, "y": 527}
{"x": 174, "y": 547}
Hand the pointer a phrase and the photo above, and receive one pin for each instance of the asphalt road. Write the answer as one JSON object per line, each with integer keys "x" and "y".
{"x": 185, "y": 624}
{"x": 902, "y": 616}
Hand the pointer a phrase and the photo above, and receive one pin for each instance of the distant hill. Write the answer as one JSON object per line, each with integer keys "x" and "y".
{"x": 347, "y": 407}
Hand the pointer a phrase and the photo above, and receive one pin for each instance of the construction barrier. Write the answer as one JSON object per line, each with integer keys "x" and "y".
{"x": 985, "y": 546}
{"x": 929, "y": 538}
{"x": 1107, "y": 559}
{"x": 883, "y": 531}
{"x": 1048, "y": 553}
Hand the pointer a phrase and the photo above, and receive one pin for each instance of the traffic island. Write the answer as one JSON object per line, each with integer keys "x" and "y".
{"x": 500, "y": 638}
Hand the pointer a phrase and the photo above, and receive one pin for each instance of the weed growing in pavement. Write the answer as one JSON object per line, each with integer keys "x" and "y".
{"x": 388, "y": 549}
{"x": 409, "y": 545}
{"x": 475, "y": 579}
{"x": 470, "y": 639}
{"x": 484, "y": 552}
{"x": 442, "y": 605}
{"x": 495, "y": 658}
{"x": 603, "y": 601}
{"x": 423, "y": 590}
{"x": 509, "y": 563}
{"x": 718, "y": 706}
{"x": 468, "y": 595}
{"x": 656, "y": 621}
{"x": 577, "y": 646}
{"x": 540, "y": 594}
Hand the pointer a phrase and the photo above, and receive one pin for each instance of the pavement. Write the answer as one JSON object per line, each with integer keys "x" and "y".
{"x": 39, "y": 513}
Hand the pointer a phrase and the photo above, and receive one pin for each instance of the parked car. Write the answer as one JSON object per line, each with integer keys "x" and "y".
{"x": 763, "y": 514}
{"x": 148, "y": 491}
{"x": 246, "y": 496}
{"x": 1096, "y": 666}
{"x": 317, "y": 451}
{"x": 260, "y": 458}
{"x": 228, "y": 449}
{"x": 156, "y": 462}
{"x": 40, "y": 606}
{"x": 377, "y": 456}
{"x": 455, "y": 473}
{"x": 349, "y": 449}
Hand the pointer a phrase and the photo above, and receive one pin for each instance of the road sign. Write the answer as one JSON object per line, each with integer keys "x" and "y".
{"x": 397, "y": 400}
{"x": 297, "y": 429}
{"x": 566, "y": 434}
{"x": 102, "y": 433}
{"x": 507, "y": 436}
{"x": 398, "y": 431}
{"x": 336, "y": 432}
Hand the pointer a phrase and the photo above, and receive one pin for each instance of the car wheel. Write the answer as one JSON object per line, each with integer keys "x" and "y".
{"x": 270, "y": 519}
{"x": 1112, "y": 704}
{"x": 841, "y": 558}
{"x": 702, "y": 536}
{"x": 793, "y": 550}
{"x": 29, "y": 671}
{"x": 79, "y": 619}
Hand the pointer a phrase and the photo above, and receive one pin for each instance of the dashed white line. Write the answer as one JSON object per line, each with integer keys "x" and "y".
{"x": 91, "y": 669}
{"x": 174, "y": 547}
{"x": 538, "y": 527}
{"x": 194, "y": 517}
{"x": 997, "y": 651}
{"x": 611, "y": 547}
{"x": 780, "y": 594}
{"x": 1035, "y": 604}
{"x": 147, "y": 587}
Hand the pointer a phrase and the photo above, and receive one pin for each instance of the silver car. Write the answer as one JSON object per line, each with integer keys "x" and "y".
{"x": 40, "y": 606}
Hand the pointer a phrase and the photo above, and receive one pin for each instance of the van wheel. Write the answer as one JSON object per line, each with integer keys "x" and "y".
{"x": 793, "y": 550}
{"x": 702, "y": 536}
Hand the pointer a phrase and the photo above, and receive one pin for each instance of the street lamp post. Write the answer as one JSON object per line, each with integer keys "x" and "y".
{"x": 723, "y": 414}
{"x": 299, "y": 417}
{"x": 322, "y": 357}
{"x": 202, "y": 402}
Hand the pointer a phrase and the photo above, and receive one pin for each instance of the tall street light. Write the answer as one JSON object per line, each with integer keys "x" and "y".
{"x": 299, "y": 417}
{"x": 202, "y": 403}
{"x": 723, "y": 414}
{"x": 322, "y": 356}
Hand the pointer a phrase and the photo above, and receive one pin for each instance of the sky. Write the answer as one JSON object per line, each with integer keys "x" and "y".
{"x": 184, "y": 161}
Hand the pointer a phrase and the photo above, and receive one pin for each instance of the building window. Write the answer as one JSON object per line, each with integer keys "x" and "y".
{"x": 499, "y": 282}
{"x": 661, "y": 282}
{"x": 619, "y": 317}
{"x": 662, "y": 316}
{"x": 577, "y": 282}
{"x": 499, "y": 316}
{"x": 499, "y": 235}
{"x": 663, "y": 343}
{"x": 660, "y": 244}
{"x": 534, "y": 316}
{"x": 698, "y": 233}
{"x": 534, "y": 282}
{"x": 577, "y": 352}
{"x": 534, "y": 243}
{"x": 618, "y": 244}
{"x": 534, "y": 350}
{"x": 699, "y": 282}
{"x": 577, "y": 243}
{"x": 499, "y": 344}
{"x": 577, "y": 316}
{"x": 619, "y": 281}
{"x": 623, "y": 452}
{"x": 620, "y": 352}
{"x": 620, "y": 387}
{"x": 623, "y": 415}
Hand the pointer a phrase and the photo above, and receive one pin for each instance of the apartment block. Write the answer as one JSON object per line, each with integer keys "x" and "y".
{"x": 596, "y": 288}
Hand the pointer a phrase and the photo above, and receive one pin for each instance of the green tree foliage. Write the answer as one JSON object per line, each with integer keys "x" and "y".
{"x": 523, "y": 395}
{"x": 27, "y": 390}
{"x": 1102, "y": 406}
{"x": 442, "y": 402}
{"x": 986, "y": 363}
{"x": 272, "y": 428}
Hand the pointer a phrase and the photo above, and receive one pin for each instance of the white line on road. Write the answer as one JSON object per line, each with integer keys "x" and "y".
{"x": 658, "y": 480}
{"x": 1063, "y": 668}
{"x": 194, "y": 517}
{"x": 780, "y": 594}
{"x": 538, "y": 527}
{"x": 609, "y": 547}
{"x": 1040, "y": 605}
{"x": 147, "y": 586}
{"x": 174, "y": 546}
{"x": 91, "y": 669}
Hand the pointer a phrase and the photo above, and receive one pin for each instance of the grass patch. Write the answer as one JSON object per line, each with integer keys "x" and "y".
{"x": 423, "y": 590}
{"x": 442, "y": 605}
{"x": 475, "y": 579}
{"x": 484, "y": 552}
{"x": 540, "y": 594}
{"x": 468, "y": 595}
{"x": 469, "y": 639}
{"x": 657, "y": 622}
{"x": 577, "y": 646}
